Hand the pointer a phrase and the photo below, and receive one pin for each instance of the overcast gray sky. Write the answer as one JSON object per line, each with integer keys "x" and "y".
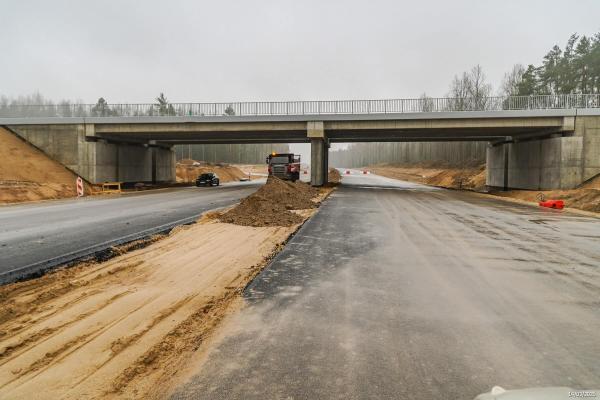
{"x": 128, "y": 51}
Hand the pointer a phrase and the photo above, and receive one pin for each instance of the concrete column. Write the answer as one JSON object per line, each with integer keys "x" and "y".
{"x": 318, "y": 153}
{"x": 154, "y": 166}
{"x": 326, "y": 162}
{"x": 506, "y": 149}
{"x": 317, "y": 162}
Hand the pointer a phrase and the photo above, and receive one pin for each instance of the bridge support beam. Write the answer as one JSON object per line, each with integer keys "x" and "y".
{"x": 319, "y": 153}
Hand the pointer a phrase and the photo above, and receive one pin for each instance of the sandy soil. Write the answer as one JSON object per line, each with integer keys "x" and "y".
{"x": 186, "y": 171}
{"x": 334, "y": 175}
{"x": 120, "y": 328}
{"x": 472, "y": 177}
{"x": 583, "y": 198}
{"x": 27, "y": 174}
{"x": 586, "y": 197}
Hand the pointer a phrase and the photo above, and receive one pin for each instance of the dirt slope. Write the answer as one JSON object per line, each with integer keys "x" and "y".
{"x": 27, "y": 174}
{"x": 470, "y": 177}
{"x": 586, "y": 197}
{"x": 187, "y": 171}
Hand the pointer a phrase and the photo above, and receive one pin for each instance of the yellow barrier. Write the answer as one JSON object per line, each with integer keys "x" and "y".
{"x": 111, "y": 187}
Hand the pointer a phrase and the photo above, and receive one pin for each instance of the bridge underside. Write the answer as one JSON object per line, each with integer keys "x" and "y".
{"x": 93, "y": 147}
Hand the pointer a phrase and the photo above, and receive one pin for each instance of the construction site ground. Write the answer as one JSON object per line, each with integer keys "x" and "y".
{"x": 586, "y": 197}
{"x": 124, "y": 327}
{"x": 27, "y": 174}
{"x": 188, "y": 170}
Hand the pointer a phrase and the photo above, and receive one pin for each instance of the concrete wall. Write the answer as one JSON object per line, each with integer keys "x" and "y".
{"x": 554, "y": 163}
{"x": 60, "y": 142}
{"x": 165, "y": 165}
{"x": 588, "y": 128}
{"x": 99, "y": 161}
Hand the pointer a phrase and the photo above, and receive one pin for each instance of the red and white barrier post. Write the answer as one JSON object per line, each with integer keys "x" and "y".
{"x": 80, "y": 187}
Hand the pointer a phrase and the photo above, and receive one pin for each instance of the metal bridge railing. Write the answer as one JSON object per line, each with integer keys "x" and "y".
{"x": 426, "y": 104}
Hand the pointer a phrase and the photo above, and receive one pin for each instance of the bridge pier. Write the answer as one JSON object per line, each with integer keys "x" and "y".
{"x": 319, "y": 153}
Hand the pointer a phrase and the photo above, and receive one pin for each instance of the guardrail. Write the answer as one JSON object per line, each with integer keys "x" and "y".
{"x": 424, "y": 104}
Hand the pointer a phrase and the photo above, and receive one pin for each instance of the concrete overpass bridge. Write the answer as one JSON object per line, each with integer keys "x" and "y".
{"x": 535, "y": 142}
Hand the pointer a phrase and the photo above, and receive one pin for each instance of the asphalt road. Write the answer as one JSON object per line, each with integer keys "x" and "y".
{"x": 399, "y": 291}
{"x": 36, "y": 236}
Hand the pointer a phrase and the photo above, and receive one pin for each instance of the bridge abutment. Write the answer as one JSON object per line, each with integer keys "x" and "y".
{"x": 97, "y": 160}
{"x": 556, "y": 162}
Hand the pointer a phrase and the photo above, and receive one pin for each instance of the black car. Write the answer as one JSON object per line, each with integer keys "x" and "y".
{"x": 210, "y": 179}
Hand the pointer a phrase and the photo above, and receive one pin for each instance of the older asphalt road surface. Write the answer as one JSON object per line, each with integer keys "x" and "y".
{"x": 33, "y": 236}
{"x": 408, "y": 292}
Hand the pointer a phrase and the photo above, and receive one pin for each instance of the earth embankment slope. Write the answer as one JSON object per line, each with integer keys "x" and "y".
{"x": 585, "y": 197}
{"x": 27, "y": 174}
{"x": 188, "y": 170}
{"x": 470, "y": 177}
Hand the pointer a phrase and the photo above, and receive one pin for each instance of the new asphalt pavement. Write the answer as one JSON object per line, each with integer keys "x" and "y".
{"x": 37, "y": 236}
{"x": 395, "y": 290}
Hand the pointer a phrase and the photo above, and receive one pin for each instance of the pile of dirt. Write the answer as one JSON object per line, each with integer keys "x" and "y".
{"x": 471, "y": 177}
{"x": 27, "y": 174}
{"x": 334, "y": 176}
{"x": 188, "y": 170}
{"x": 272, "y": 204}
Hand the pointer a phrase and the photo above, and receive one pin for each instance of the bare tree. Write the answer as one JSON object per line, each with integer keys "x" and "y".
{"x": 426, "y": 103}
{"x": 512, "y": 80}
{"x": 470, "y": 91}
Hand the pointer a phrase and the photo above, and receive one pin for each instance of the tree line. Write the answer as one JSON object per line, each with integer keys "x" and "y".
{"x": 36, "y": 105}
{"x": 230, "y": 153}
{"x": 574, "y": 70}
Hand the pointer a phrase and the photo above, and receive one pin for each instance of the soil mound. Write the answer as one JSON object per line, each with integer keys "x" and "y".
{"x": 27, "y": 174}
{"x": 334, "y": 175}
{"x": 188, "y": 170}
{"x": 271, "y": 205}
{"x": 468, "y": 177}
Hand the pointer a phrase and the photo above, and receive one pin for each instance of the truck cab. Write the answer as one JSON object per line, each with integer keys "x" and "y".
{"x": 285, "y": 166}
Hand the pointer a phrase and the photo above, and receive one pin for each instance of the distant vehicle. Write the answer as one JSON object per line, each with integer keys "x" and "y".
{"x": 284, "y": 166}
{"x": 208, "y": 179}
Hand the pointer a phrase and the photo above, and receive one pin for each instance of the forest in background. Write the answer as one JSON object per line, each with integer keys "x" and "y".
{"x": 229, "y": 153}
{"x": 574, "y": 70}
